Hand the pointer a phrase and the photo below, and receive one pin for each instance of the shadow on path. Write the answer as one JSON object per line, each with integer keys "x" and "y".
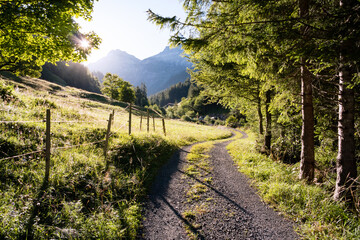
{"x": 184, "y": 220}
{"x": 217, "y": 192}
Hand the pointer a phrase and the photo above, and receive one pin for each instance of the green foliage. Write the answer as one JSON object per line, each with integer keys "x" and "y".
{"x": 35, "y": 32}
{"x": 6, "y": 92}
{"x": 173, "y": 94}
{"x": 311, "y": 206}
{"x": 141, "y": 96}
{"x": 186, "y": 118}
{"x": 231, "y": 121}
{"x": 44, "y": 103}
{"x": 191, "y": 108}
{"x": 88, "y": 197}
{"x": 118, "y": 89}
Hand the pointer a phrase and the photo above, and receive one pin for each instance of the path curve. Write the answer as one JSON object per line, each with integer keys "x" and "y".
{"x": 236, "y": 211}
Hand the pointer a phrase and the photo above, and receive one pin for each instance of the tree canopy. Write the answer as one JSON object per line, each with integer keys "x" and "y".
{"x": 33, "y": 32}
{"x": 118, "y": 89}
{"x": 71, "y": 74}
{"x": 252, "y": 51}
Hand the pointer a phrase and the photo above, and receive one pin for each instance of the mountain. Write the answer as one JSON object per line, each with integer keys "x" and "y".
{"x": 157, "y": 72}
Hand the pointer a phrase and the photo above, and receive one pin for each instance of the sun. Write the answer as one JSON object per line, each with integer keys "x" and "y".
{"x": 84, "y": 43}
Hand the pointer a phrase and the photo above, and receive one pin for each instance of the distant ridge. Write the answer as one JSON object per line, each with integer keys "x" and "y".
{"x": 157, "y": 72}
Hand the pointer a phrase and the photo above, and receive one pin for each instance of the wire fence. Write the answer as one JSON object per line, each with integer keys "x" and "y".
{"x": 49, "y": 149}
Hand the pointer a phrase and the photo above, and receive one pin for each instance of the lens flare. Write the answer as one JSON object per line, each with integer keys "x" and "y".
{"x": 84, "y": 43}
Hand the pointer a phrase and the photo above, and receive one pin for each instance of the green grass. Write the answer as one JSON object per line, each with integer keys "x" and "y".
{"x": 88, "y": 196}
{"x": 310, "y": 206}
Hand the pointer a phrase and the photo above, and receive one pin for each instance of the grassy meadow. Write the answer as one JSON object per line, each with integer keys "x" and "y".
{"x": 88, "y": 196}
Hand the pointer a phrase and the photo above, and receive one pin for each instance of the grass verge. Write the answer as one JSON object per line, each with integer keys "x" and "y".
{"x": 311, "y": 206}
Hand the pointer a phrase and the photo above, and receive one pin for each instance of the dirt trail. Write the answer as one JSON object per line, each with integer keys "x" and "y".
{"x": 234, "y": 210}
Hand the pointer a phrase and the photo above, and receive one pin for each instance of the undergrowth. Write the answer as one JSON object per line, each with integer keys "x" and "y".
{"x": 312, "y": 207}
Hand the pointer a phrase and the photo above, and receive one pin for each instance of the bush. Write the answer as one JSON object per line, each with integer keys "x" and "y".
{"x": 208, "y": 120}
{"x": 186, "y": 118}
{"x": 231, "y": 121}
{"x": 191, "y": 114}
{"x": 219, "y": 122}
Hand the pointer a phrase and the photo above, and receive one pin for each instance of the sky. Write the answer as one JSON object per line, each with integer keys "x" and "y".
{"x": 123, "y": 24}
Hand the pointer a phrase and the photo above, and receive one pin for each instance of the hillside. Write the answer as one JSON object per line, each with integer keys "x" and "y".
{"x": 157, "y": 72}
{"x": 70, "y": 74}
{"x": 89, "y": 195}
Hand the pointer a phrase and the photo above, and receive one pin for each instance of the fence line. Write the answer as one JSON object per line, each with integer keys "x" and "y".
{"x": 42, "y": 121}
{"x": 78, "y": 121}
{"x": 21, "y": 155}
{"x": 74, "y": 146}
{"x": 49, "y": 149}
{"x": 148, "y": 118}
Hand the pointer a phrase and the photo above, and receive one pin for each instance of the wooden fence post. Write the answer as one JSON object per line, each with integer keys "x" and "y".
{"x": 154, "y": 123}
{"x": 140, "y": 121}
{"x": 130, "y": 106}
{"x": 106, "y": 144}
{"x": 163, "y": 122}
{"x": 148, "y": 121}
{"x": 113, "y": 115}
{"x": 47, "y": 145}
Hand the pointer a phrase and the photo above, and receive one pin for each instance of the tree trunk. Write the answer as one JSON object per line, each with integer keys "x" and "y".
{"x": 261, "y": 127}
{"x": 307, "y": 157}
{"x": 267, "y": 143}
{"x": 345, "y": 161}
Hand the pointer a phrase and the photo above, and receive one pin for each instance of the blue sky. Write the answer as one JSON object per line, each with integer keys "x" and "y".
{"x": 122, "y": 24}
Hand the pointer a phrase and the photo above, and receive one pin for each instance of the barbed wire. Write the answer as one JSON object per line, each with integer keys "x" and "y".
{"x": 149, "y": 109}
{"x": 21, "y": 155}
{"x": 42, "y": 121}
{"x": 157, "y": 112}
{"x": 74, "y": 146}
{"x": 79, "y": 121}
{"x": 121, "y": 127}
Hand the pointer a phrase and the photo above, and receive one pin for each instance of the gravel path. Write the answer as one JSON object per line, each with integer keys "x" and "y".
{"x": 233, "y": 209}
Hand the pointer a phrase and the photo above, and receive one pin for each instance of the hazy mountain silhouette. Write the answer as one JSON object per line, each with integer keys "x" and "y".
{"x": 157, "y": 72}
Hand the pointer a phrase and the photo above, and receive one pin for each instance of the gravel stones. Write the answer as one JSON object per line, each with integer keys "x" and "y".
{"x": 232, "y": 209}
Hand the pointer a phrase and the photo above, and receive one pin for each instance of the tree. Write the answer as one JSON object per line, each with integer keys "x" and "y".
{"x": 346, "y": 161}
{"x": 118, "y": 89}
{"x": 276, "y": 43}
{"x": 307, "y": 158}
{"x": 34, "y": 32}
{"x": 71, "y": 74}
{"x": 141, "y": 95}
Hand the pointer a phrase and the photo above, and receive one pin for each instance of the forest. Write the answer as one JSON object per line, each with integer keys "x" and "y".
{"x": 292, "y": 64}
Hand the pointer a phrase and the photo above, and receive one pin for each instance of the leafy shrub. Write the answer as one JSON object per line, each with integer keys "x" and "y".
{"x": 231, "y": 121}
{"x": 186, "y": 118}
{"x": 208, "y": 120}
{"x": 219, "y": 122}
{"x": 191, "y": 114}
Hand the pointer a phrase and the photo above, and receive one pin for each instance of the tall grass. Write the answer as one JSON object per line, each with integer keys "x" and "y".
{"x": 312, "y": 207}
{"x": 88, "y": 196}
